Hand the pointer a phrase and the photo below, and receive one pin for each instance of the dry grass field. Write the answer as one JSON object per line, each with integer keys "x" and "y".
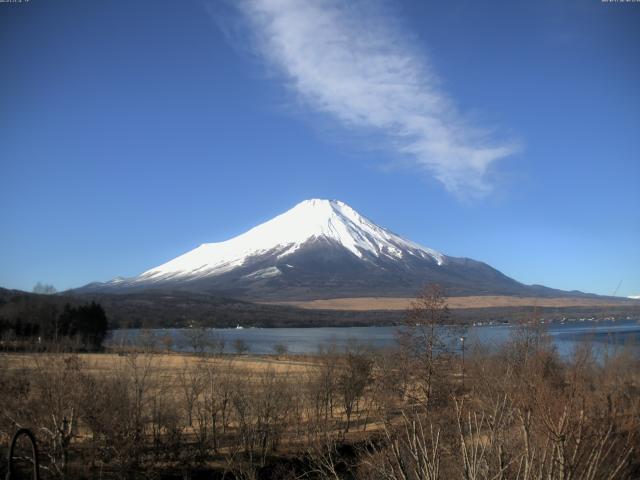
{"x": 144, "y": 413}
{"x": 489, "y": 301}
{"x": 163, "y": 363}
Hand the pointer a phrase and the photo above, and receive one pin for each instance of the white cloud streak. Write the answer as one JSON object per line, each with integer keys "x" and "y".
{"x": 348, "y": 60}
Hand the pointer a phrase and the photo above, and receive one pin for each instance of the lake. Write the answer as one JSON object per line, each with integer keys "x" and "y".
{"x": 604, "y": 335}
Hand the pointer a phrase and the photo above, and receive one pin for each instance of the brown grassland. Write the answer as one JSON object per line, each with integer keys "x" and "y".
{"x": 479, "y": 301}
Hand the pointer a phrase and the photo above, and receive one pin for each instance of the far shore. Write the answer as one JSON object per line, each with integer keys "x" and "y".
{"x": 477, "y": 301}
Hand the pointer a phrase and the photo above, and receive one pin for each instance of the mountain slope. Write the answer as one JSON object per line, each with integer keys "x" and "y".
{"x": 320, "y": 249}
{"x": 309, "y": 221}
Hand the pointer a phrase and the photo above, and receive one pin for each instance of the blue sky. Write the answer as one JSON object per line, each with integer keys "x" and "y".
{"x": 508, "y": 132}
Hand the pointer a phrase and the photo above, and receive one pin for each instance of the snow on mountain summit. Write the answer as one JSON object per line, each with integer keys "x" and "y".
{"x": 310, "y": 220}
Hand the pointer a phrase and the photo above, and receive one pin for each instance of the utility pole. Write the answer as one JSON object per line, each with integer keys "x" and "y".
{"x": 462, "y": 341}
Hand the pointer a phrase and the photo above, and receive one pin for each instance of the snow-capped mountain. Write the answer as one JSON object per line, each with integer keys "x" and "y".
{"x": 319, "y": 249}
{"x": 309, "y": 221}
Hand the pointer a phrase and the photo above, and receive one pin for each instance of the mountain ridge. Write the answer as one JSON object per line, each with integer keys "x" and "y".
{"x": 321, "y": 249}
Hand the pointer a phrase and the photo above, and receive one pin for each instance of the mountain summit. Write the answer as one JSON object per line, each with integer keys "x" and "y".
{"x": 308, "y": 222}
{"x": 320, "y": 249}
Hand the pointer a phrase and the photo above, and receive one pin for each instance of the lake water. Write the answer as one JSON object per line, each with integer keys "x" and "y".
{"x": 604, "y": 335}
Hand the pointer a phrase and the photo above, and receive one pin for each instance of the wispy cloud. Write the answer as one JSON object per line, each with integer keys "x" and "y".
{"x": 350, "y": 61}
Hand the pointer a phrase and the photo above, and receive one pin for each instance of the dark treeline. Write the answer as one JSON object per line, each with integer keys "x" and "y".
{"x": 33, "y": 319}
{"x": 176, "y": 309}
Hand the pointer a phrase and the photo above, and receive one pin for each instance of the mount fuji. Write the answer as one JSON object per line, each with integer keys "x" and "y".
{"x": 320, "y": 249}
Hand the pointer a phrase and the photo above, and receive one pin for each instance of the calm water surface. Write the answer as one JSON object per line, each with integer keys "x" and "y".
{"x": 604, "y": 335}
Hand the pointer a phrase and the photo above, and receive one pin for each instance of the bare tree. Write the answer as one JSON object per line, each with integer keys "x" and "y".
{"x": 118, "y": 410}
{"x": 147, "y": 341}
{"x": 240, "y": 346}
{"x": 167, "y": 341}
{"x": 354, "y": 377}
{"x": 196, "y": 338}
{"x": 55, "y": 412}
{"x": 280, "y": 349}
{"x": 216, "y": 399}
{"x": 408, "y": 451}
{"x": 191, "y": 382}
{"x": 322, "y": 388}
{"x": 422, "y": 336}
{"x": 389, "y": 383}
